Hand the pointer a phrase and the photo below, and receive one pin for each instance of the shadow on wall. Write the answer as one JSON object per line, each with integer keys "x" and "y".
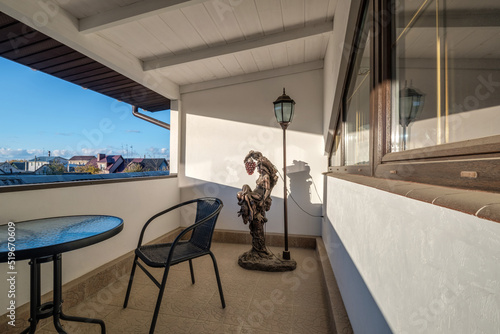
{"x": 299, "y": 222}
{"x": 364, "y": 314}
{"x": 302, "y": 189}
{"x": 228, "y": 218}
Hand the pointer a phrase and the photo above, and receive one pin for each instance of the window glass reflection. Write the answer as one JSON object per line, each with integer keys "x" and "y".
{"x": 357, "y": 104}
{"x": 447, "y": 54}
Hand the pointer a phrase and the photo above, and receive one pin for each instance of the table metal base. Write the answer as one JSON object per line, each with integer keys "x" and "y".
{"x": 41, "y": 311}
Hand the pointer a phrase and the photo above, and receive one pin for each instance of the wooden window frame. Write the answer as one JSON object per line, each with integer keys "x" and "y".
{"x": 366, "y": 170}
{"x": 472, "y": 164}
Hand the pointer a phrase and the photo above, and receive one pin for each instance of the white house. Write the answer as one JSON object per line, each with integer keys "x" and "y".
{"x": 37, "y": 162}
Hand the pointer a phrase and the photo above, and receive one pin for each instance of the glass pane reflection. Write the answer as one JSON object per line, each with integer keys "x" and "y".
{"x": 357, "y": 104}
{"x": 449, "y": 52}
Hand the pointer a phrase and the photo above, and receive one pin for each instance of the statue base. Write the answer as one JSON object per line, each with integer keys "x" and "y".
{"x": 264, "y": 261}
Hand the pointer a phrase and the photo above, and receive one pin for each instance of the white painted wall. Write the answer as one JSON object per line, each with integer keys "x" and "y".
{"x": 222, "y": 125}
{"x": 411, "y": 267}
{"x": 174, "y": 138}
{"x": 134, "y": 202}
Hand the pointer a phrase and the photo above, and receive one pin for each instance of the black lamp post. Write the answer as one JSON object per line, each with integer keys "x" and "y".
{"x": 410, "y": 103}
{"x": 283, "y": 110}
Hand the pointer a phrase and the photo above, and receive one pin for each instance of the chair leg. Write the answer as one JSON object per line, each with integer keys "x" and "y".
{"x": 218, "y": 280}
{"x": 191, "y": 269}
{"x": 127, "y": 295}
{"x": 158, "y": 301}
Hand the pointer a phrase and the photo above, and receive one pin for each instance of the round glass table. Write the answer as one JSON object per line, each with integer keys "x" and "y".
{"x": 44, "y": 240}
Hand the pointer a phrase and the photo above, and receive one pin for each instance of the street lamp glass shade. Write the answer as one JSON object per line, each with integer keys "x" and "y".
{"x": 278, "y": 112}
{"x": 410, "y": 103}
{"x": 283, "y": 108}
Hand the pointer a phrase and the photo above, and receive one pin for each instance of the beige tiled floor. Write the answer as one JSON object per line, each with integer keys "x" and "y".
{"x": 256, "y": 302}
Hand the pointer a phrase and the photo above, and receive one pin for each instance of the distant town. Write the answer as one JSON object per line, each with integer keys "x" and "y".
{"x": 83, "y": 164}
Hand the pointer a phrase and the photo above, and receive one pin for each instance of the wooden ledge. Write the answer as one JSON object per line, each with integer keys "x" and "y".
{"x": 482, "y": 204}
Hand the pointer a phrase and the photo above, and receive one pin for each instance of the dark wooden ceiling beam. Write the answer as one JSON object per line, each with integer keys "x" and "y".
{"x": 69, "y": 65}
{"x": 97, "y": 78}
{"x": 77, "y": 69}
{"x": 102, "y": 86}
{"x": 52, "y": 47}
{"x": 129, "y": 85}
{"x": 45, "y": 64}
{"x": 89, "y": 74}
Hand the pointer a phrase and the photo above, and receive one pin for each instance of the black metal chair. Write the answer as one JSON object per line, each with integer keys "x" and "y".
{"x": 169, "y": 254}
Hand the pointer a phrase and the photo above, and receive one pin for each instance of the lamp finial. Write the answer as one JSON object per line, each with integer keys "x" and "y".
{"x": 283, "y": 90}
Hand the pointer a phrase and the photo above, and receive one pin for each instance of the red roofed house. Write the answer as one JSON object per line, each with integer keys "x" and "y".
{"x": 108, "y": 164}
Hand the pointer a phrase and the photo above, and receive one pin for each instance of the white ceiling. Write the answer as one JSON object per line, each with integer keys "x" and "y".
{"x": 175, "y": 46}
{"x": 232, "y": 37}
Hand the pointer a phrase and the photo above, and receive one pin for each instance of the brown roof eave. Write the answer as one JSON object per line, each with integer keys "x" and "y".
{"x": 52, "y": 57}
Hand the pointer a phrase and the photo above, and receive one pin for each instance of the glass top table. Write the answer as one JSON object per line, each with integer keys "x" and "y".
{"x": 48, "y": 236}
{"x": 44, "y": 240}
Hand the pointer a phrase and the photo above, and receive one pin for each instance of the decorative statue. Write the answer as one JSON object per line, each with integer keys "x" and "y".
{"x": 254, "y": 204}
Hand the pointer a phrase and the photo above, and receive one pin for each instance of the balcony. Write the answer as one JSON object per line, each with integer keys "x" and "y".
{"x": 301, "y": 301}
{"x": 396, "y": 245}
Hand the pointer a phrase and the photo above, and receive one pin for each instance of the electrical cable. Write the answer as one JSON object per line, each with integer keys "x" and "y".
{"x": 293, "y": 199}
{"x": 290, "y": 194}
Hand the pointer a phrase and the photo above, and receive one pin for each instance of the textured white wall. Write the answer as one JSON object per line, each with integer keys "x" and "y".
{"x": 222, "y": 125}
{"x": 409, "y": 265}
{"x": 134, "y": 202}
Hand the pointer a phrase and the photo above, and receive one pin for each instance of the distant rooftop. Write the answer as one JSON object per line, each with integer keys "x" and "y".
{"x": 46, "y": 158}
{"x": 19, "y": 179}
{"x": 82, "y": 157}
{"x": 19, "y": 165}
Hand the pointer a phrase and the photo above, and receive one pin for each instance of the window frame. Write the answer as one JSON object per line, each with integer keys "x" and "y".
{"x": 366, "y": 5}
{"x": 471, "y": 164}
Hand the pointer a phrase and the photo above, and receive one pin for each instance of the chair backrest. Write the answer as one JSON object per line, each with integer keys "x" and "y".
{"x": 202, "y": 235}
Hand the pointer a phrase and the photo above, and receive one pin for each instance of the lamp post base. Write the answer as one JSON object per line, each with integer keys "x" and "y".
{"x": 265, "y": 262}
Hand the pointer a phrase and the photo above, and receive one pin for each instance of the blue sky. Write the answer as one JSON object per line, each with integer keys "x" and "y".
{"x": 41, "y": 113}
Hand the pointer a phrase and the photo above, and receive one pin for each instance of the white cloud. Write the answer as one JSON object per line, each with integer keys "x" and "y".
{"x": 94, "y": 151}
{"x": 158, "y": 152}
{"x": 10, "y": 154}
{"x": 62, "y": 153}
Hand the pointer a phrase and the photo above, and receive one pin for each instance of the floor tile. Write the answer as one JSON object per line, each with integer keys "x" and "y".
{"x": 256, "y": 302}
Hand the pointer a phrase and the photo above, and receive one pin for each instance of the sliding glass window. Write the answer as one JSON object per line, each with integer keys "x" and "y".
{"x": 421, "y": 97}
{"x": 446, "y": 72}
{"x": 336, "y": 156}
{"x": 356, "y": 104}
